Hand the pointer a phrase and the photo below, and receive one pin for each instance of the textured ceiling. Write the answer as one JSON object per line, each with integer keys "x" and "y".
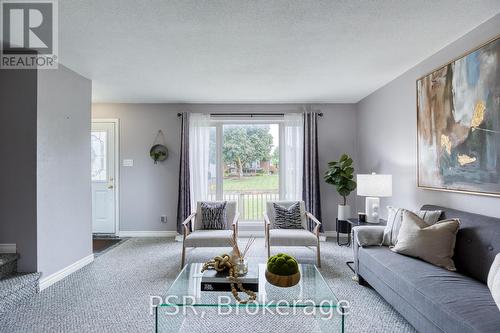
{"x": 255, "y": 51}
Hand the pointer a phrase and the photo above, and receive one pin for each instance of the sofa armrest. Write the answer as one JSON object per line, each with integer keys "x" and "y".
{"x": 365, "y": 236}
{"x": 368, "y": 235}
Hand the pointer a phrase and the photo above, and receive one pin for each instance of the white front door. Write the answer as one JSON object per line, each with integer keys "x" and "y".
{"x": 103, "y": 177}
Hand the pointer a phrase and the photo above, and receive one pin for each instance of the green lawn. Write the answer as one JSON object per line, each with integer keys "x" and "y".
{"x": 252, "y": 183}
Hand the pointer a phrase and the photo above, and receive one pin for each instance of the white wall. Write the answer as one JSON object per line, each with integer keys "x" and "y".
{"x": 148, "y": 190}
{"x": 386, "y": 129}
{"x": 64, "y": 225}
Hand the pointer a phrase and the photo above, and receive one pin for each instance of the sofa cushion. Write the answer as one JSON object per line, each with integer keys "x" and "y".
{"x": 395, "y": 218}
{"x": 213, "y": 215}
{"x": 292, "y": 237}
{"x": 494, "y": 280}
{"x": 209, "y": 238}
{"x": 478, "y": 241}
{"x": 287, "y": 217}
{"x": 231, "y": 210}
{"x": 285, "y": 203}
{"x": 452, "y": 301}
{"x": 432, "y": 243}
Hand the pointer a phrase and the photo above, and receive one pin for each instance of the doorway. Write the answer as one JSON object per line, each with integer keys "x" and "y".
{"x": 104, "y": 175}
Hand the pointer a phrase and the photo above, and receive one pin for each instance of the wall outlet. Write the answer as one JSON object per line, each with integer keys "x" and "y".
{"x": 163, "y": 219}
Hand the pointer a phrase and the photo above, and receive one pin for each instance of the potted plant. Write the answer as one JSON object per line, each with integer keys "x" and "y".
{"x": 282, "y": 270}
{"x": 158, "y": 153}
{"x": 340, "y": 174}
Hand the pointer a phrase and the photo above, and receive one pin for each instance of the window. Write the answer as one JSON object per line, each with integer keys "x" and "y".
{"x": 98, "y": 155}
{"x": 244, "y": 164}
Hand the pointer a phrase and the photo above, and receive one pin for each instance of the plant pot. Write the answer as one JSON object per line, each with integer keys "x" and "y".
{"x": 344, "y": 212}
{"x": 284, "y": 281}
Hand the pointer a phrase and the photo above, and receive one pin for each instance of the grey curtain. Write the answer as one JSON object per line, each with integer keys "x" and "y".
{"x": 184, "y": 196}
{"x": 310, "y": 180}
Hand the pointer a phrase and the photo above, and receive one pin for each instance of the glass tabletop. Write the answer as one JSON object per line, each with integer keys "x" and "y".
{"x": 311, "y": 291}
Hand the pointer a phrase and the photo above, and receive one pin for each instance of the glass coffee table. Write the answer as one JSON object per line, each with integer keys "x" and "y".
{"x": 309, "y": 306}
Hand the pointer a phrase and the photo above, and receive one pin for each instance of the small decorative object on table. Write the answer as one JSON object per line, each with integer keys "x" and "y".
{"x": 222, "y": 263}
{"x": 238, "y": 257}
{"x": 282, "y": 270}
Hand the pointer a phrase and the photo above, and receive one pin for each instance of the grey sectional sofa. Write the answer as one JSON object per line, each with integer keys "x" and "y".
{"x": 433, "y": 299}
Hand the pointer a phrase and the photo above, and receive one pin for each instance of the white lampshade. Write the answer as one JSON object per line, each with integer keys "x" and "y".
{"x": 374, "y": 185}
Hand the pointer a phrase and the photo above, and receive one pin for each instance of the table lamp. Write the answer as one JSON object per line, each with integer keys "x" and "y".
{"x": 373, "y": 187}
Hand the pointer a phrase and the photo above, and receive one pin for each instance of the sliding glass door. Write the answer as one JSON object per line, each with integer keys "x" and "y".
{"x": 245, "y": 164}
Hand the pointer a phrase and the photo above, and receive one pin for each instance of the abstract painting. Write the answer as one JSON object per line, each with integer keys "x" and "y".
{"x": 458, "y": 124}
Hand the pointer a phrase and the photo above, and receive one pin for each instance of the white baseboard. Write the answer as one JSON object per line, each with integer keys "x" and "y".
{"x": 61, "y": 274}
{"x": 147, "y": 233}
{"x": 333, "y": 233}
{"x": 7, "y": 248}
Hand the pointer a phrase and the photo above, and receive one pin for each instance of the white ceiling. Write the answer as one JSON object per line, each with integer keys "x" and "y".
{"x": 255, "y": 51}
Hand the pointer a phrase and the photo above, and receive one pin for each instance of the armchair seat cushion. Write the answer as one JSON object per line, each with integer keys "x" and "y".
{"x": 292, "y": 237}
{"x": 209, "y": 238}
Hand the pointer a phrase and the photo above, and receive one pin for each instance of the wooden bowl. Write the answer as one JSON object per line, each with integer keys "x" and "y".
{"x": 282, "y": 280}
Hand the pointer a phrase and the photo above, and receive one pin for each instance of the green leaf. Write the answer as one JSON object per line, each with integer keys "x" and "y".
{"x": 351, "y": 185}
{"x": 347, "y": 163}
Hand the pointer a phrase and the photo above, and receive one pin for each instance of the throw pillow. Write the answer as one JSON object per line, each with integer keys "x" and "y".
{"x": 432, "y": 243}
{"x": 394, "y": 218}
{"x": 213, "y": 215}
{"x": 287, "y": 218}
{"x": 494, "y": 280}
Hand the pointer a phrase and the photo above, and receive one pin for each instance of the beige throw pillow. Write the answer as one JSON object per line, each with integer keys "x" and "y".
{"x": 394, "y": 218}
{"x": 432, "y": 243}
{"x": 494, "y": 280}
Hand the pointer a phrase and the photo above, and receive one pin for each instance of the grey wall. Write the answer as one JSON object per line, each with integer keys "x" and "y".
{"x": 18, "y": 98}
{"x": 148, "y": 191}
{"x": 386, "y": 128}
{"x": 63, "y": 173}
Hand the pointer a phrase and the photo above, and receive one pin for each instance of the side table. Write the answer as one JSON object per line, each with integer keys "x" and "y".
{"x": 343, "y": 227}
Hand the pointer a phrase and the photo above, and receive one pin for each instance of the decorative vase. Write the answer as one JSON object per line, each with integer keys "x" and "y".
{"x": 233, "y": 257}
{"x": 284, "y": 281}
{"x": 344, "y": 212}
{"x": 241, "y": 266}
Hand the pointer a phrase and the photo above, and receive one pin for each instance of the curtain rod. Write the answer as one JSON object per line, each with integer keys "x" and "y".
{"x": 248, "y": 114}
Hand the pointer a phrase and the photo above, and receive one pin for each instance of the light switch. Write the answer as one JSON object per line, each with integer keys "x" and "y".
{"x": 128, "y": 163}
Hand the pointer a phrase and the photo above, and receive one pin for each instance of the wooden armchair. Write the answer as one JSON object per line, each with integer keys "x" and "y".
{"x": 208, "y": 238}
{"x": 291, "y": 237}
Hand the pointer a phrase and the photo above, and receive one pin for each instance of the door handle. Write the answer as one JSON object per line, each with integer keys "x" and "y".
{"x": 111, "y": 183}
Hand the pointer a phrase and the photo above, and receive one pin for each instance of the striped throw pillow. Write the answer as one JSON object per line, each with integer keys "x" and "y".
{"x": 287, "y": 218}
{"x": 213, "y": 215}
{"x": 394, "y": 220}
